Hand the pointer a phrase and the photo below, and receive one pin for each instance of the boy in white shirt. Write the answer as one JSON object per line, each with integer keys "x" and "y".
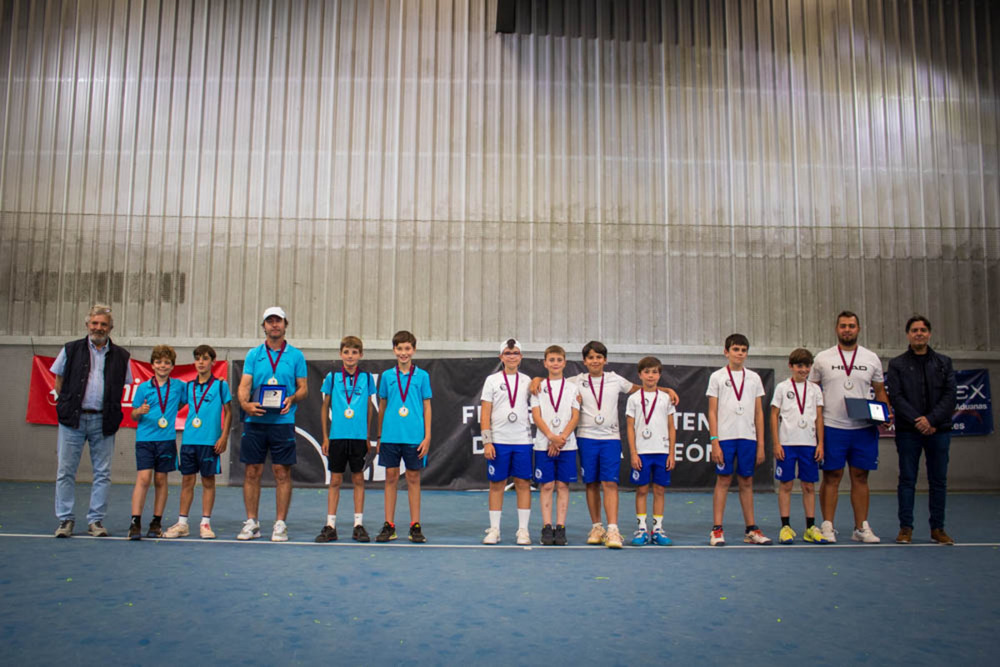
{"x": 797, "y": 429}
{"x": 651, "y": 439}
{"x": 736, "y": 431}
{"x": 507, "y": 440}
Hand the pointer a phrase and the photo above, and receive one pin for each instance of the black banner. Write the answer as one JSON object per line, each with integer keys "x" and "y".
{"x": 456, "y": 454}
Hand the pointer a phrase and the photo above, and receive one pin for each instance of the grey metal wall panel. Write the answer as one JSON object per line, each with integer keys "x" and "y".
{"x": 387, "y": 164}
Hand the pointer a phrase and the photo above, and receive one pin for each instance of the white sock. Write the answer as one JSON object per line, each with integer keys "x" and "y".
{"x": 495, "y": 519}
{"x": 641, "y": 518}
{"x": 358, "y": 518}
{"x": 279, "y": 524}
{"x": 598, "y": 524}
{"x": 182, "y": 520}
{"x": 658, "y": 522}
{"x": 522, "y": 518}
{"x": 612, "y": 526}
{"x": 331, "y": 520}
{"x": 206, "y": 520}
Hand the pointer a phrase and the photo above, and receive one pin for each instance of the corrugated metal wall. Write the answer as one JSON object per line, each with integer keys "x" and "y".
{"x": 733, "y": 165}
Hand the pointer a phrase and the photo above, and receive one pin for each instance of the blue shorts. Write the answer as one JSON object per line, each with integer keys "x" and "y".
{"x": 511, "y": 461}
{"x": 600, "y": 460}
{"x": 805, "y": 456}
{"x": 857, "y": 447}
{"x": 559, "y": 468}
{"x": 653, "y": 466}
{"x": 202, "y": 459}
{"x": 390, "y": 453}
{"x": 745, "y": 453}
{"x": 258, "y": 439}
{"x": 156, "y": 455}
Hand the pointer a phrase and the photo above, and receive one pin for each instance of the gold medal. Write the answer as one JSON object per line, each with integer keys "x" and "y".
{"x": 163, "y": 422}
{"x": 196, "y": 422}
{"x": 273, "y": 381}
{"x": 403, "y": 411}
{"x": 348, "y": 413}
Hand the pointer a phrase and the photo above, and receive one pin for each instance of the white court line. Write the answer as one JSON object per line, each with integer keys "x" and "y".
{"x": 491, "y": 547}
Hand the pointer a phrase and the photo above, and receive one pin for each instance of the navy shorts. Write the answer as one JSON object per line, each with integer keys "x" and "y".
{"x": 856, "y": 447}
{"x": 259, "y": 439}
{"x": 805, "y": 457}
{"x": 654, "y": 468}
{"x": 343, "y": 452}
{"x": 600, "y": 460}
{"x": 744, "y": 452}
{"x": 156, "y": 455}
{"x": 200, "y": 459}
{"x": 390, "y": 453}
{"x": 559, "y": 468}
{"x": 511, "y": 461}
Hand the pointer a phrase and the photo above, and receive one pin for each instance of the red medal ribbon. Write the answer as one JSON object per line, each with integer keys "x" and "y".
{"x": 738, "y": 392}
{"x": 651, "y": 407}
{"x": 194, "y": 393}
{"x": 399, "y": 383}
{"x": 558, "y": 401}
{"x": 274, "y": 362}
{"x": 848, "y": 367}
{"x": 596, "y": 397}
{"x": 517, "y": 383}
{"x": 349, "y": 392}
{"x": 159, "y": 399}
{"x": 805, "y": 393}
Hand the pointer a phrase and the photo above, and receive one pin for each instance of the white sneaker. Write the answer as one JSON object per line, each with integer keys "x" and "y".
{"x": 492, "y": 536}
{"x": 756, "y": 537}
{"x": 177, "y": 530}
{"x": 829, "y": 534}
{"x": 523, "y": 536}
{"x": 280, "y": 532}
{"x": 865, "y": 534}
{"x": 206, "y": 532}
{"x": 250, "y": 530}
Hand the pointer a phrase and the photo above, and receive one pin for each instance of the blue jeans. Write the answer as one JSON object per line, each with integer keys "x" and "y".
{"x": 909, "y": 446}
{"x": 70, "y": 442}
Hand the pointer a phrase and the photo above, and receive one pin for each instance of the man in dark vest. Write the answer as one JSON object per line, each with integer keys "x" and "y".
{"x": 922, "y": 390}
{"x": 90, "y": 375}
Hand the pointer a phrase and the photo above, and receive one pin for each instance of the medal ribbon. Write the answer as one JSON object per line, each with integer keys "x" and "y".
{"x": 805, "y": 393}
{"x": 596, "y": 397}
{"x": 651, "y": 407}
{"x": 558, "y": 401}
{"x": 350, "y": 392}
{"x": 848, "y": 367}
{"x": 399, "y": 383}
{"x": 738, "y": 392}
{"x": 194, "y": 393}
{"x": 274, "y": 362}
{"x": 159, "y": 398}
{"x": 517, "y": 383}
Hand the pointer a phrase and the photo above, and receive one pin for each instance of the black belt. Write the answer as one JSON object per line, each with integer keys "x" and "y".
{"x": 91, "y": 412}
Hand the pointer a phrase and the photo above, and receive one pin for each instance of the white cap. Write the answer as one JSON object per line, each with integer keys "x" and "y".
{"x": 273, "y": 310}
{"x": 505, "y": 346}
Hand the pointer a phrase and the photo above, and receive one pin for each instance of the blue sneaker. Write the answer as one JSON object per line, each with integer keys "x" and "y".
{"x": 640, "y": 538}
{"x": 660, "y": 538}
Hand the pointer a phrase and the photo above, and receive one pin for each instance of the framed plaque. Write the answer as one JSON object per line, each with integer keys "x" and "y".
{"x": 272, "y": 396}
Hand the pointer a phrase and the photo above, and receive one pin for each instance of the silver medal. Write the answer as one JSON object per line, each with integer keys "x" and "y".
{"x": 163, "y": 422}
{"x": 273, "y": 381}
{"x": 403, "y": 411}
{"x": 348, "y": 413}
{"x": 556, "y": 421}
{"x": 803, "y": 423}
{"x": 599, "y": 419}
{"x": 848, "y": 384}
{"x": 739, "y": 408}
{"x": 196, "y": 422}
{"x": 647, "y": 434}
{"x": 512, "y": 417}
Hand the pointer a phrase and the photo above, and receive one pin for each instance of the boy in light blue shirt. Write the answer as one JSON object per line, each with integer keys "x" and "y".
{"x": 158, "y": 400}
{"x": 205, "y": 438}
{"x": 405, "y": 432}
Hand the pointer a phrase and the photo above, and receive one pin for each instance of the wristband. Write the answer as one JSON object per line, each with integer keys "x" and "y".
{"x": 714, "y": 437}
{"x": 487, "y": 436}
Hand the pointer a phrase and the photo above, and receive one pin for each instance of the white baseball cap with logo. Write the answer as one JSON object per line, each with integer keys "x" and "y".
{"x": 510, "y": 344}
{"x": 274, "y": 310}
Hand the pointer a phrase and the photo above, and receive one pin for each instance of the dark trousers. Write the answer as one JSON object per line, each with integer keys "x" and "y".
{"x": 935, "y": 448}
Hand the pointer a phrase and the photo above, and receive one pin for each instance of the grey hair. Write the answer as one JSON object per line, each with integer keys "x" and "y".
{"x": 100, "y": 309}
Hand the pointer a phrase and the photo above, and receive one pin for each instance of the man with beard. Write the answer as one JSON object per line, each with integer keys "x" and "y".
{"x": 90, "y": 376}
{"x": 848, "y": 370}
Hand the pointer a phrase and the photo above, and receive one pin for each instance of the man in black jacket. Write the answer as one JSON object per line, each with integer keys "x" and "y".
{"x": 922, "y": 392}
{"x": 90, "y": 375}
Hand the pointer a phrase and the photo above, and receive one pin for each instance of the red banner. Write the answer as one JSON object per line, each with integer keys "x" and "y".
{"x": 42, "y": 394}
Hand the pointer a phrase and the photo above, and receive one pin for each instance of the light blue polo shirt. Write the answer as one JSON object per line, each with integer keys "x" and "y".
{"x": 361, "y": 388}
{"x": 291, "y": 366}
{"x": 211, "y": 397}
{"x": 148, "y": 429}
{"x": 408, "y": 430}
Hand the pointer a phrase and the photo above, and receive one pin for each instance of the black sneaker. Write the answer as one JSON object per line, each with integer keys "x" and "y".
{"x": 328, "y": 534}
{"x": 155, "y": 529}
{"x": 548, "y": 536}
{"x": 65, "y": 528}
{"x": 360, "y": 534}
{"x": 387, "y": 533}
{"x": 559, "y": 538}
{"x": 134, "y": 531}
{"x": 416, "y": 535}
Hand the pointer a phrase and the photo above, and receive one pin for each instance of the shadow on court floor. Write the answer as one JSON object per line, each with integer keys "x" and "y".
{"x": 453, "y": 601}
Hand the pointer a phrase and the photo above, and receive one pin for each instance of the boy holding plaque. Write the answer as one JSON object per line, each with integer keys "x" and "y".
{"x": 205, "y": 437}
{"x": 797, "y": 429}
{"x": 404, "y": 414}
{"x": 158, "y": 400}
{"x": 736, "y": 431}
{"x": 507, "y": 441}
{"x": 651, "y": 439}
{"x": 347, "y": 416}
{"x": 556, "y": 411}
